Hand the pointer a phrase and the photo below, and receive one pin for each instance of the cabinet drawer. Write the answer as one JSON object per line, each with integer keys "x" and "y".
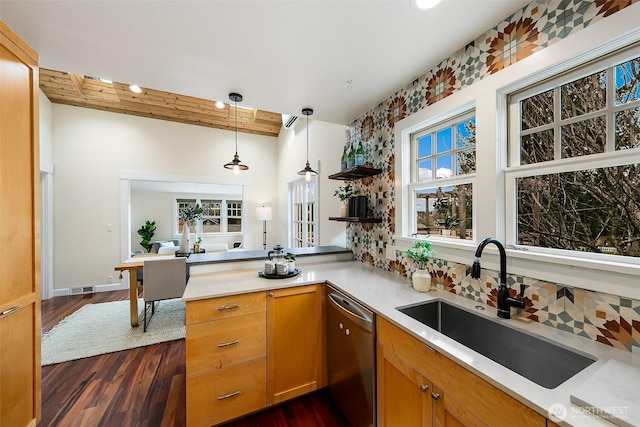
{"x": 225, "y": 394}
{"x": 221, "y": 343}
{"x": 472, "y": 392}
{"x": 224, "y": 307}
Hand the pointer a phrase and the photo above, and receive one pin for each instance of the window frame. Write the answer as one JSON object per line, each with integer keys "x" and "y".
{"x": 447, "y": 120}
{"x": 305, "y": 223}
{"x": 223, "y": 214}
{"x": 610, "y": 157}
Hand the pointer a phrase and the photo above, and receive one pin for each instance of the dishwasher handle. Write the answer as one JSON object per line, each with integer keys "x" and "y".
{"x": 361, "y": 315}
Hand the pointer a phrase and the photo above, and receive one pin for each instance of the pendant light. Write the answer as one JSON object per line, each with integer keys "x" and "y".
{"x": 236, "y": 165}
{"x": 307, "y": 171}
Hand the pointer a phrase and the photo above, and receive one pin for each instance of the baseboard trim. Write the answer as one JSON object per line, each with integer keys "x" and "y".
{"x": 61, "y": 292}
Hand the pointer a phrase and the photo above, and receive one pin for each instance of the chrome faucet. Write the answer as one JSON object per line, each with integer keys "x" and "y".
{"x": 505, "y": 302}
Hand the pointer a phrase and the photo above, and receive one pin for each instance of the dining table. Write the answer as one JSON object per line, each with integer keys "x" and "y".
{"x": 132, "y": 265}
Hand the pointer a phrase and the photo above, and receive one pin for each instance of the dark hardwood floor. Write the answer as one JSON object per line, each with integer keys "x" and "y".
{"x": 145, "y": 386}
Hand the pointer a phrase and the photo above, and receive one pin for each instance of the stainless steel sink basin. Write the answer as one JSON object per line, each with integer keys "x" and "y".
{"x": 542, "y": 362}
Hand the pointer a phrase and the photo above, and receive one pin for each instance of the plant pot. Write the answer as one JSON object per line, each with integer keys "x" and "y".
{"x": 344, "y": 210}
{"x": 184, "y": 239}
{"x": 446, "y": 232}
{"x": 291, "y": 265}
{"x": 421, "y": 280}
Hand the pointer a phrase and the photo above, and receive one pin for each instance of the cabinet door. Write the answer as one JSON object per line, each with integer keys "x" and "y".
{"x": 294, "y": 342}
{"x": 19, "y": 222}
{"x": 449, "y": 413}
{"x": 404, "y": 396}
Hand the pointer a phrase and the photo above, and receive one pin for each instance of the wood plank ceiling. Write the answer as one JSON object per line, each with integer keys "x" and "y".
{"x": 82, "y": 91}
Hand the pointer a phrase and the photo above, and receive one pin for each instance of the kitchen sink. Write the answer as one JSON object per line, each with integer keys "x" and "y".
{"x": 536, "y": 359}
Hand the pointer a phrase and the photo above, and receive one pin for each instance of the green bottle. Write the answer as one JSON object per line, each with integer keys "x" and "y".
{"x": 351, "y": 161}
{"x": 360, "y": 155}
{"x": 345, "y": 159}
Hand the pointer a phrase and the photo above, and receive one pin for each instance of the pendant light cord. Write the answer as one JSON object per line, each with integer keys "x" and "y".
{"x": 235, "y": 103}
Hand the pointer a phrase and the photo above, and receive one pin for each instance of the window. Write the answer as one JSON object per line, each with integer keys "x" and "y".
{"x": 443, "y": 158}
{"x": 219, "y": 215}
{"x": 574, "y": 160}
{"x": 304, "y": 225}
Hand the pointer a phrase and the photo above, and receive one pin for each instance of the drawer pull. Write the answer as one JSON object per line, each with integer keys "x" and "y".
{"x": 227, "y": 396}
{"x": 435, "y": 396}
{"x": 431, "y": 349}
{"x": 228, "y": 307}
{"x": 10, "y": 310}
{"x": 227, "y": 344}
{"x": 424, "y": 387}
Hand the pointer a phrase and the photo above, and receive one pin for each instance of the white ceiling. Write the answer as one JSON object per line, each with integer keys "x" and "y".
{"x": 280, "y": 55}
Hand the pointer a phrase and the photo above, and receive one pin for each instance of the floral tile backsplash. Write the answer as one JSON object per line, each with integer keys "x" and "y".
{"x": 605, "y": 318}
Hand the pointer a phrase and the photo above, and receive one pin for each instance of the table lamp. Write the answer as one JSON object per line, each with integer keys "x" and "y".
{"x": 264, "y": 215}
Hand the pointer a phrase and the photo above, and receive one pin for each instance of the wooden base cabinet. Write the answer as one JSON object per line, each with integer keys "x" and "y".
{"x": 226, "y": 358}
{"x": 294, "y": 342}
{"x": 246, "y": 352}
{"x": 420, "y": 387}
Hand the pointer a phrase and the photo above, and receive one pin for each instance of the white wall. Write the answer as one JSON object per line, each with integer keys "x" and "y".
{"x": 326, "y": 141}
{"x": 151, "y": 206}
{"x": 93, "y": 149}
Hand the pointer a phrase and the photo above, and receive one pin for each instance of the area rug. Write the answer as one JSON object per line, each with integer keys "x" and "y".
{"x": 104, "y": 328}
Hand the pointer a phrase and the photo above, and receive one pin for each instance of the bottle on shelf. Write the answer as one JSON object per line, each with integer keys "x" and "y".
{"x": 351, "y": 161}
{"x": 344, "y": 160}
{"x": 360, "y": 155}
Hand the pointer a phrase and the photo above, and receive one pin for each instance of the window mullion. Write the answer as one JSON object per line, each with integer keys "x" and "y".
{"x": 557, "y": 130}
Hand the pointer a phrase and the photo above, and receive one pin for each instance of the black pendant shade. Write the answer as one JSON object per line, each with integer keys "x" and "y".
{"x": 307, "y": 171}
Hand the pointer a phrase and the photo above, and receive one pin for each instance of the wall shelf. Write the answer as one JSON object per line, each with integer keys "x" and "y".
{"x": 355, "y": 172}
{"x": 354, "y": 219}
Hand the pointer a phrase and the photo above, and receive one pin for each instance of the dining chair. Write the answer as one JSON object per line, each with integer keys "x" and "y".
{"x": 163, "y": 279}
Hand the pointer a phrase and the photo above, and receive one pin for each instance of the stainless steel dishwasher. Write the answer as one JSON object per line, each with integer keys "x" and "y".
{"x": 351, "y": 358}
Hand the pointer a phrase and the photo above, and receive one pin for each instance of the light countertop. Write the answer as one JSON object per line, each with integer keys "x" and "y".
{"x": 383, "y": 291}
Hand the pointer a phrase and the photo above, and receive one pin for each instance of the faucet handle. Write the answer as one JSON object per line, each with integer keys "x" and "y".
{"x": 522, "y": 288}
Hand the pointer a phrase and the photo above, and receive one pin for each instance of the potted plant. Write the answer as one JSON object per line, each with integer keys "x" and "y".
{"x": 189, "y": 214}
{"x": 448, "y": 222}
{"x": 146, "y": 232}
{"x": 291, "y": 261}
{"x": 196, "y": 245}
{"x": 343, "y": 193}
{"x": 420, "y": 254}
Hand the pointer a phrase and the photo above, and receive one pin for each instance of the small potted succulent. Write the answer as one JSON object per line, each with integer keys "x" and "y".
{"x": 291, "y": 261}
{"x": 420, "y": 254}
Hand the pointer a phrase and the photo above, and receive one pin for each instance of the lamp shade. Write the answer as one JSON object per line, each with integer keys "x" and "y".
{"x": 264, "y": 213}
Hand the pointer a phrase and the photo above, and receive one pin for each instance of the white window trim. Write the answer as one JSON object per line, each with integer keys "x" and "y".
{"x": 404, "y": 169}
{"x": 593, "y": 161}
{"x": 316, "y": 209}
{"x": 223, "y": 215}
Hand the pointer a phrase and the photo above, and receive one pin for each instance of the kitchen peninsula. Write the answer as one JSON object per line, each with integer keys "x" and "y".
{"x": 483, "y": 385}
{"x": 225, "y": 261}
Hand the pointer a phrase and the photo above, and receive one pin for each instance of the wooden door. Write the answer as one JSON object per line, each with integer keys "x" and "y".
{"x": 20, "y": 234}
{"x": 294, "y": 342}
{"x": 404, "y": 396}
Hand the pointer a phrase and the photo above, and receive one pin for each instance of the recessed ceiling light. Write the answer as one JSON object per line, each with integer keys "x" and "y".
{"x": 426, "y": 4}
{"x": 219, "y": 104}
{"x": 135, "y": 89}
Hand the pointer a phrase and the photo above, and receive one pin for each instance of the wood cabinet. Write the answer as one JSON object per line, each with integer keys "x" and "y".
{"x": 226, "y": 358}
{"x": 19, "y": 222}
{"x": 454, "y": 397}
{"x": 246, "y": 352}
{"x": 294, "y": 342}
